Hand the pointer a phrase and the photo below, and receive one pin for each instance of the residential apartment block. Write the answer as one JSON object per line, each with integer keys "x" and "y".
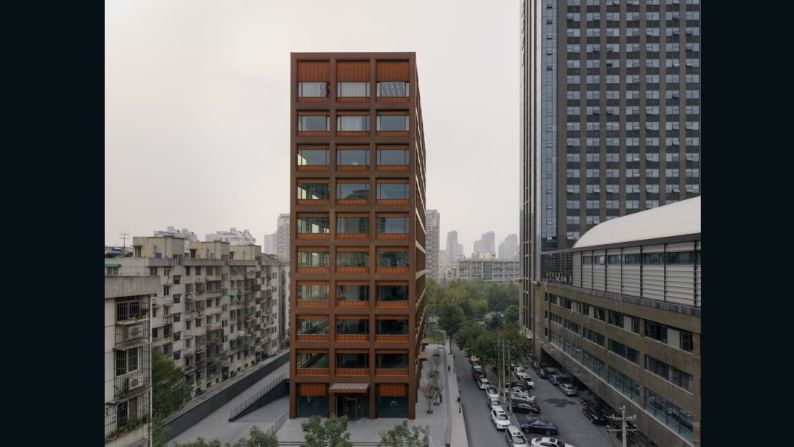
{"x": 128, "y": 383}
{"x": 219, "y": 308}
{"x": 621, "y": 312}
{"x": 357, "y": 234}
{"x": 488, "y": 269}
{"x": 433, "y": 222}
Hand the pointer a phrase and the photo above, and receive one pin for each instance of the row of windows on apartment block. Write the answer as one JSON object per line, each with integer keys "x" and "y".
{"x": 628, "y": 188}
{"x": 630, "y": 157}
{"x": 614, "y": 94}
{"x": 319, "y": 360}
{"x": 670, "y": 373}
{"x": 632, "y": 16}
{"x": 597, "y": 3}
{"x": 319, "y": 223}
{"x": 353, "y": 123}
{"x": 675, "y": 418}
{"x": 352, "y": 326}
{"x": 671, "y": 336}
{"x": 359, "y": 89}
{"x": 613, "y": 206}
{"x": 391, "y": 257}
{"x": 321, "y": 290}
{"x": 690, "y": 173}
{"x": 314, "y": 189}
{"x": 574, "y": 112}
{"x": 352, "y": 156}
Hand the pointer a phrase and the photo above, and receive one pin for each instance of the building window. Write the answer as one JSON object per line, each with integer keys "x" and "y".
{"x": 387, "y": 292}
{"x": 656, "y": 331}
{"x": 352, "y": 123}
{"x": 312, "y": 327}
{"x": 624, "y": 351}
{"x": 392, "y": 157}
{"x": 313, "y": 259}
{"x": 313, "y": 224}
{"x": 312, "y": 157}
{"x": 624, "y": 384}
{"x": 352, "y": 292}
{"x": 352, "y": 191}
{"x": 126, "y": 361}
{"x": 352, "y": 157}
{"x": 687, "y": 341}
{"x": 672, "y": 416}
{"x": 314, "y": 123}
{"x": 392, "y": 89}
{"x": 392, "y": 224}
{"x": 313, "y": 292}
{"x": 313, "y": 89}
{"x": 352, "y": 259}
{"x": 392, "y": 123}
{"x": 352, "y": 89}
{"x": 352, "y": 224}
{"x": 393, "y": 258}
{"x": 313, "y": 191}
{"x": 392, "y": 191}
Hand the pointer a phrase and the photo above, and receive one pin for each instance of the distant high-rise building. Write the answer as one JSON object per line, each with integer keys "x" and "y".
{"x": 488, "y": 242}
{"x": 477, "y": 246}
{"x": 508, "y": 249}
{"x": 433, "y": 223}
{"x": 233, "y": 237}
{"x": 269, "y": 246}
{"x": 452, "y": 247}
{"x": 282, "y": 237}
{"x": 461, "y": 253}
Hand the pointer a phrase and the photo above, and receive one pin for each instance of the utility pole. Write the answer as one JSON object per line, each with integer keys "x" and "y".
{"x": 623, "y": 430}
{"x": 509, "y": 397}
{"x": 124, "y": 244}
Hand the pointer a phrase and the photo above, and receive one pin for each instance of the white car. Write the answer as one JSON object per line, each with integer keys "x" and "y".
{"x": 549, "y": 442}
{"x": 514, "y": 437}
{"x": 494, "y": 402}
{"x": 522, "y": 396}
{"x": 526, "y": 378}
{"x": 568, "y": 389}
{"x": 499, "y": 418}
{"x": 492, "y": 392}
{"x": 483, "y": 383}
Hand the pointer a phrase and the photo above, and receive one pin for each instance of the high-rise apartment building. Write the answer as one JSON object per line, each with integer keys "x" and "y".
{"x": 358, "y": 234}
{"x": 219, "y": 308}
{"x": 433, "y": 222}
{"x": 453, "y": 248}
{"x": 488, "y": 242}
{"x": 610, "y": 116}
{"x": 269, "y": 244}
{"x": 508, "y": 249}
{"x": 282, "y": 237}
{"x": 128, "y": 370}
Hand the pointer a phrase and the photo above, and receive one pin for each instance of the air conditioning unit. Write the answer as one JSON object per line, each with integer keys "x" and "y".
{"x": 134, "y": 382}
{"x": 135, "y": 332}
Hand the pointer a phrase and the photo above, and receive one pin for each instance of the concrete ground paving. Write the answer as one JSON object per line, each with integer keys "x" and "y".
{"x": 217, "y": 425}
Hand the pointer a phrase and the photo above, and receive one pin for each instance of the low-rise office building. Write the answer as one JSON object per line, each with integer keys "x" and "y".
{"x": 621, "y": 311}
{"x": 487, "y": 269}
{"x": 127, "y": 359}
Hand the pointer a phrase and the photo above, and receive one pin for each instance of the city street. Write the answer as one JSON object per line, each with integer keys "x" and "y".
{"x": 565, "y": 412}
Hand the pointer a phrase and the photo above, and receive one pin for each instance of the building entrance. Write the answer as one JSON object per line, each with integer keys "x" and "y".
{"x": 350, "y": 406}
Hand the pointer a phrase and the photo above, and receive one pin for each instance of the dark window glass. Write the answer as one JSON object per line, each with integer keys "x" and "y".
{"x": 392, "y": 327}
{"x": 652, "y": 258}
{"x": 393, "y": 258}
{"x": 352, "y": 190}
{"x": 313, "y": 291}
{"x": 687, "y": 342}
{"x": 308, "y": 157}
{"x": 311, "y": 360}
{"x": 352, "y": 224}
{"x": 615, "y": 318}
{"x": 393, "y": 123}
{"x": 352, "y": 292}
{"x": 352, "y": 259}
{"x": 391, "y": 361}
{"x": 681, "y": 258}
{"x": 392, "y": 293}
{"x": 313, "y": 123}
{"x": 352, "y": 327}
{"x": 313, "y": 191}
{"x": 655, "y": 331}
{"x": 312, "y": 327}
{"x": 313, "y": 224}
{"x": 613, "y": 259}
{"x": 392, "y": 225}
{"x": 352, "y": 361}
{"x": 632, "y": 259}
{"x": 393, "y": 157}
{"x": 392, "y": 191}
{"x": 313, "y": 259}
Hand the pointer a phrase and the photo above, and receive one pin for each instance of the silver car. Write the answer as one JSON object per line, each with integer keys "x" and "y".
{"x": 568, "y": 389}
{"x": 515, "y": 438}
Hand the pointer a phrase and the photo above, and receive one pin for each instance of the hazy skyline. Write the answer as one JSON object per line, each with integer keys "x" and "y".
{"x": 197, "y": 107}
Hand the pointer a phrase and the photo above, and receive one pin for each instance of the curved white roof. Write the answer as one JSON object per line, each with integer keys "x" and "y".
{"x": 676, "y": 219}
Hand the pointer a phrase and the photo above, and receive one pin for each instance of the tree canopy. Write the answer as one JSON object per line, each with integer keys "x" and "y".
{"x": 403, "y": 436}
{"x": 330, "y": 432}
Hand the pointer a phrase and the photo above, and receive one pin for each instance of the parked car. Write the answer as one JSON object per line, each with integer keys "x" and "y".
{"x": 514, "y": 437}
{"x": 554, "y": 379}
{"x": 526, "y": 378}
{"x": 565, "y": 378}
{"x": 494, "y": 402}
{"x": 522, "y": 398}
{"x": 596, "y": 415}
{"x": 539, "y": 425}
{"x": 550, "y": 371}
{"x": 477, "y": 372}
{"x": 549, "y": 442}
{"x": 473, "y": 359}
{"x": 483, "y": 383}
{"x": 521, "y": 406}
{"x": 499, "y": 418}
{"x": 568, "y": 389}
{"x": 491, "y": 392}
{"x": 542, "y": 372}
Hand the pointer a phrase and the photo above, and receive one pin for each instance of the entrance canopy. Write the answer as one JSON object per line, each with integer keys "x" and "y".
{"x": 349, "y": 388}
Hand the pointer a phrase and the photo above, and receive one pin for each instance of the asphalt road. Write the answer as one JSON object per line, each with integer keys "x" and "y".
{"x": 565, "y": 412}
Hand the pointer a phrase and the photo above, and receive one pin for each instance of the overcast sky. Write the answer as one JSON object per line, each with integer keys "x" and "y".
{"x": 197, "y": 107}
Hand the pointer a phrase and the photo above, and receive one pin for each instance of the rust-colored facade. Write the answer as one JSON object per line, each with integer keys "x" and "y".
{"x": 357, "y": 204}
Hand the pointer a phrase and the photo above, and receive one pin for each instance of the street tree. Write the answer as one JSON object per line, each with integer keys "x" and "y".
{"x": 450, "y": 318}
{"x": 330, "y": 432}
{"x": 169, "y": 387}
{"x": 510, "y": 314}
{"x": 404, "y": 436}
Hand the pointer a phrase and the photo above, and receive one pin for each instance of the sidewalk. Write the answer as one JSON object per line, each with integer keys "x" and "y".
{"x": 458, "y": 423}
